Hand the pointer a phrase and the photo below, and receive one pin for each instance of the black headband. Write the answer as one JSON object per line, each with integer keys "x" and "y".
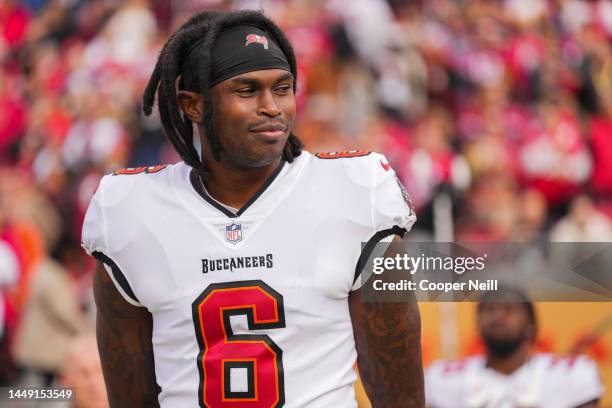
{"x": 237, "y": 50}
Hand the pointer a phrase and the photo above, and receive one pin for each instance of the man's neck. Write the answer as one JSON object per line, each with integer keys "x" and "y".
{"x": 235, "y": 187}
{"x": 509, "y": 364}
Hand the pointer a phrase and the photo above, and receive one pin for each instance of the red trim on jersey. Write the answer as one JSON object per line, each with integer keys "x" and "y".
{"x": 342, "y": 154}
{"x": 138, "y": 170}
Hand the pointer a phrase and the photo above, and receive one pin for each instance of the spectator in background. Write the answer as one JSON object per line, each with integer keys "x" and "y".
{"x": 50, "y": 319}
{"x": 555, "y": 158}
{"x": 14, "y": 20}
{"x": 584, "y": 223}
{"x": 431, "y": 160}
{"x": 12, "y": 111}
{"x": 82, "y": 372}
{"x": 9, "y": 272}
{"x": 533, "y": 209}
{"x": 509, "y": 375}
{"x": 492, "y": 211}
{"x": 601, "y": 141}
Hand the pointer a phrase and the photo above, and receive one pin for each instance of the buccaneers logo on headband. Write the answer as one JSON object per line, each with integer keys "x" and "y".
{"x": 254, "y": 38}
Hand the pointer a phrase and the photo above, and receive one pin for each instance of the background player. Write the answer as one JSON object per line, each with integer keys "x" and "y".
{"x": 510, "y": 374}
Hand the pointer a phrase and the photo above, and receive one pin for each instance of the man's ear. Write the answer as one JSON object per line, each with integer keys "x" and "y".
{"x": 192, "y": 105}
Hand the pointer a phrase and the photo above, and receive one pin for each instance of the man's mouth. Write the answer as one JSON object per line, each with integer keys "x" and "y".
{"x": 272, "y": 131}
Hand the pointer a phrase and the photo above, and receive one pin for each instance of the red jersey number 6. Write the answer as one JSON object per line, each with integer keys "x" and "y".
{"x": 239, "y": 370}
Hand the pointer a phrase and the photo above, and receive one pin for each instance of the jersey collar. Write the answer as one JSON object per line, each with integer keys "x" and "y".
{"x": 198, "y": 186}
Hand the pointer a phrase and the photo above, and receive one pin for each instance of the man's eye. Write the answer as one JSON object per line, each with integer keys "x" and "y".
{"x": 283, "y": 89}
{"x": 245, "y": 91}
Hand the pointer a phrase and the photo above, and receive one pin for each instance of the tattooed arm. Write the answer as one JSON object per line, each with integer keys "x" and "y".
{"x": 124, "y": 342}
{"x": 388, "y": 341}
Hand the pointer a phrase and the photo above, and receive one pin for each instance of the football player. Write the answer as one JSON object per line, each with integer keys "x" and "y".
{"x": 510, "y": 375}
{"x": 230, "y": 279}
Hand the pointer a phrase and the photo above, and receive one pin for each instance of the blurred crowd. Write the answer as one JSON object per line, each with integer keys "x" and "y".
{"x": 503, "y": 106}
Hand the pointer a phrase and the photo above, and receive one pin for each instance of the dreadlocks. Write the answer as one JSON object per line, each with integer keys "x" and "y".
{"x": 171, "y": 65}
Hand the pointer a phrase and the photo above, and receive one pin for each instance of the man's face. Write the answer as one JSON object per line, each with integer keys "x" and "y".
{"x": 504, "y": 326}
{"x": 253, "y": 115}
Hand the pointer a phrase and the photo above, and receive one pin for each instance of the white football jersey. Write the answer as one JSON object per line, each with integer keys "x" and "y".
{"x": 253, "y": 306}
{"x": 544, "y": 381}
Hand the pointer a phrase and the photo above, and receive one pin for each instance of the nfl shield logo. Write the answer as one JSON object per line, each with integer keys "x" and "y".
{"x": 233, "y": 233}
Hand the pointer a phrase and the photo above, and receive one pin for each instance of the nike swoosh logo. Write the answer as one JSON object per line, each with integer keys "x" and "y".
{"x": 385, "y": 166}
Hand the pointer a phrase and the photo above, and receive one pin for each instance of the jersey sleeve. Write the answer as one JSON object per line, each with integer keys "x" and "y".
{"x": 391, "y": 204}
{"x": 95, "y": 242}
{"x": 441, "y": 386}
{"x": 392, "y": 212}
{"x": 93, "y": 237}
{"x": 584, "y": 383}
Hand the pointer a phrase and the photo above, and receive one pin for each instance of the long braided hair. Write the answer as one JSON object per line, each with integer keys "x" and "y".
{"x": 175, "y": 62}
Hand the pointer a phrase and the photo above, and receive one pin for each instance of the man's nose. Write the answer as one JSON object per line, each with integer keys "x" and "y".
{"x": 268, "y": 106}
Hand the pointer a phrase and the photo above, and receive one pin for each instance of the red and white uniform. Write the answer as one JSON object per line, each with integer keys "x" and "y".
{"x": 544, "y": 381}
{"x": 249, "y": 309}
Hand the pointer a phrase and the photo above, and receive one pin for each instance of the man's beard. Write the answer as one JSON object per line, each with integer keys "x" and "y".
{"x": 240, "y": 156}
{"x": 503, "y": 347}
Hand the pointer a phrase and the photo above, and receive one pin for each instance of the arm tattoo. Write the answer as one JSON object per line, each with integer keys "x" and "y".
{"x": 124, "y": 343}
{"x": 388, "y": 341}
